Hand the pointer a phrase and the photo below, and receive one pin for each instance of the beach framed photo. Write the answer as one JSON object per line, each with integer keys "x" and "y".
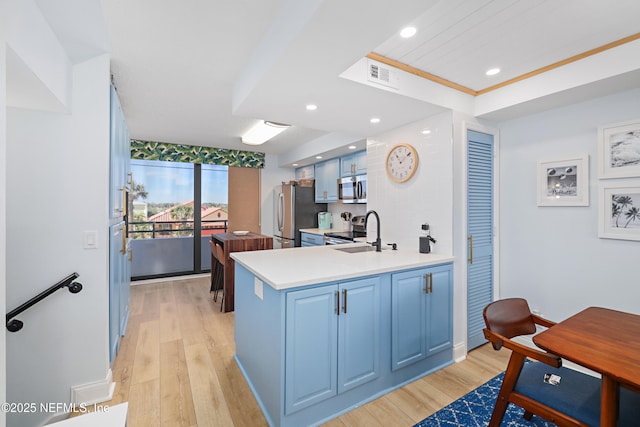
{"x": 619, "y": 214}
{"x": 564, "y": 182}
{"x": 619, "y": 150}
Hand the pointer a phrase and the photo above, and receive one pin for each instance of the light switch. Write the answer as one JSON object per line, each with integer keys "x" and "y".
{"x": 91, "y": 239}
{"x": 257, "y": 287}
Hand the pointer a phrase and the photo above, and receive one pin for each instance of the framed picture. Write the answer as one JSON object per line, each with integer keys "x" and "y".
{"x": 619, "y": 216}
{"x": 619, "y": 150}
{"x": 564, "y": 182}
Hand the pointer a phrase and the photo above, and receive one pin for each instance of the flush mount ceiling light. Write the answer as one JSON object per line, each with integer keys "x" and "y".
{"x": 492, "y": 71}
{"x": 408, "y": 32}
{"x": 263, "y": 131}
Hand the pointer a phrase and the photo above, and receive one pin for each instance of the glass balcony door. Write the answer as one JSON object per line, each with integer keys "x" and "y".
{"x": 168, "y": 216}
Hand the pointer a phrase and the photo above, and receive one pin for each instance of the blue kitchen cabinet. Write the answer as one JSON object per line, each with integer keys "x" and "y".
{"x": 119, "y": 159}
{"x": 119, "y": 286}
{"x": 353, "y": 164}
{"x": 332, "y": 342}
{"x": 421, "y": 314}
{"x": 305, "y": 172}
{"x": 311, "y": 239}
{"x": 119, "y": 250}
{"x": 326, "y": 180}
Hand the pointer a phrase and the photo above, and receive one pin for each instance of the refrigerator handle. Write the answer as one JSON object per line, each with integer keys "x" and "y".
{"x": 280, "y": 211}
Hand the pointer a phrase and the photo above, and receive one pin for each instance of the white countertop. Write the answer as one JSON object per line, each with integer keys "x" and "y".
{"x": 290, "y": 268}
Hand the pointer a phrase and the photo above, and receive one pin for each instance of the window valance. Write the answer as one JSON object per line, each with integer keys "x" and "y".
{"x": 151, "y": 150}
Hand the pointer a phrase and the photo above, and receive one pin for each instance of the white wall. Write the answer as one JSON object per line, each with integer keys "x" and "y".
{"x": 3, "y": 209}
{"x": 552, "y": 255}
{"x": 57, "y": 182}
{"x": 427, "y": 197}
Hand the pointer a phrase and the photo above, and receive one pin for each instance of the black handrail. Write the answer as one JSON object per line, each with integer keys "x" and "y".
{"x": 14, "y": 325}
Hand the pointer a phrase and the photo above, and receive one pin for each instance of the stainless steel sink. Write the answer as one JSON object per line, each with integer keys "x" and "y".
{"x": 355, "y": 249}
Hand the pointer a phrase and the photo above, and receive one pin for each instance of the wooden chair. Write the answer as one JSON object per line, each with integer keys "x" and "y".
{"x": 220, "y": 281}
{"x": 217, "y": 270}
{"x": 574, "y": 401}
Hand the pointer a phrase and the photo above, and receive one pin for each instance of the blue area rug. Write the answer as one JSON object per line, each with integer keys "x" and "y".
{"x": 475, "y": 408}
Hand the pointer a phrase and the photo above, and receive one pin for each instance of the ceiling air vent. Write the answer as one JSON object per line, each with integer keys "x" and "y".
{"x": 378, "y": 73}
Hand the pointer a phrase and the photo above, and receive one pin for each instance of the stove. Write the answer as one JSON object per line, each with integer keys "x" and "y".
{"x": 346, "y": 235}
{"x": 358, "y": 230}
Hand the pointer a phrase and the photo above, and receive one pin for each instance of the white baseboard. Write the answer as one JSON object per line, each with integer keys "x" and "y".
{"x": 459, "y": 352}
{"x": 92, "y": 393}
{"x": 87, "y": 396}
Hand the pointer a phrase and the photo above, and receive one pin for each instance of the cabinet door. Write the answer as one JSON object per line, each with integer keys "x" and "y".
{"x": 311, "y": 347}
{"x": 327, "y": 174}
{"x": 439, "y": 309}
{"x": 305, "y": 172}
{"x": 347, "y": 166}
{"x": 358, "y": 333}
{"x": 421, "y": 314}
{"x": 408, "y": 318}
{"x": 115, "y": 284}
{"x": 360, "y": 160}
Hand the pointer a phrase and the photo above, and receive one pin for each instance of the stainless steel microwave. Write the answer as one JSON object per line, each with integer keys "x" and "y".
{"x": 353, "y": 189}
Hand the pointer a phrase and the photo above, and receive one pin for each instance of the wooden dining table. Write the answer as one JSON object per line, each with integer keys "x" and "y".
{"x": 237, "y": 242}
{"x": 603, "y": 340}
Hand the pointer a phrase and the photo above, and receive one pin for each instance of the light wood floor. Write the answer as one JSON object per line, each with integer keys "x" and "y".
{"x": 176, "y": 368}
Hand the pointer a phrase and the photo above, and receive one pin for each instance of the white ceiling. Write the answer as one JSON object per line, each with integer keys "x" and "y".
{"x": 203, "y": 71}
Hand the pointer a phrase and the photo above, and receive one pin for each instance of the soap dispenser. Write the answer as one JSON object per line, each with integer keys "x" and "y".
{"x": 426, "y": 240}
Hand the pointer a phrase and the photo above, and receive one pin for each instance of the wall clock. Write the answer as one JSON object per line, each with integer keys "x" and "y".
{"x": 402, "y": 162}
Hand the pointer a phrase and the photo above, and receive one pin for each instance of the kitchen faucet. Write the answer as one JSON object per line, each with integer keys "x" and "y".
{"x": 378, "y": 242}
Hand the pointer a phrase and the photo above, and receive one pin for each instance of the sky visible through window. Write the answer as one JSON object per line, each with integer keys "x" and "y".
{"x": 172, "y": 182}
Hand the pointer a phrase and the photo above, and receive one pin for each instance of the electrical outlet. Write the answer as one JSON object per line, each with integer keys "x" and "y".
{"x": 258, "y": 288}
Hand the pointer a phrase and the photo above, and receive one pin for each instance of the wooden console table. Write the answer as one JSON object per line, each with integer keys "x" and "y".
{"x": 231, "y": 242}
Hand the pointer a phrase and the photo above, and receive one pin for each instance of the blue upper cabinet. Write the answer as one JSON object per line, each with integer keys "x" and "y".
{"x": 353, "y": 164}
{"x": 305, "y": 172}
{"x": 327, "y": 174}
{"x": 421, "y": 314}
{"x": 119, "y": 159}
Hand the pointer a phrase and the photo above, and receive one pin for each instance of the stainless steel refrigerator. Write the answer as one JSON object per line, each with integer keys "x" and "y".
{"x": 295, "y": 208}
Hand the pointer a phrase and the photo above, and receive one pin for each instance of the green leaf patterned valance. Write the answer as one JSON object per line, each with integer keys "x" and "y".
{"x": 151, "y": 150}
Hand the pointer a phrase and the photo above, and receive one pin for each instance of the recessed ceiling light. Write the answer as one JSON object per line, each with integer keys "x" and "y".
{"x": 294, "y": 164}
{"x": 318, "y": 157}
{"x": 408, "y": 32}
{"x": 312, "y": 107}
{"x": 352, "y": 147}
{"x": 492, "y": 71}
{"x": 426, "y": 131}
{"x": 375, "y": 120}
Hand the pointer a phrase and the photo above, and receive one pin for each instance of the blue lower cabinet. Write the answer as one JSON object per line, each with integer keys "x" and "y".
{"x": 310, "y": 239}
{"x": 332, "y": 341}
{"x": 421, "y": 314}
{"x": 314, "y": 352}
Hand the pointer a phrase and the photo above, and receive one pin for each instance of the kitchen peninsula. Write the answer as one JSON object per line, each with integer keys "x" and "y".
{"x": 321, "y": 330}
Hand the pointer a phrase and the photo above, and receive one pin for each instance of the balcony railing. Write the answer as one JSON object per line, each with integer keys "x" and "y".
{"x": 164, "y": 229}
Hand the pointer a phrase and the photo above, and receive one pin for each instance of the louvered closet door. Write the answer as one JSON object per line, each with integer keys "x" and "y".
{"x": 479, "y": 232}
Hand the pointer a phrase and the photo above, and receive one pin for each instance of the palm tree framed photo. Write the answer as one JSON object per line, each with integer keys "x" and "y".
{"x": 619, "y": 210}
{"x": 564, "y": 182}
{"x": 619, "y": 150}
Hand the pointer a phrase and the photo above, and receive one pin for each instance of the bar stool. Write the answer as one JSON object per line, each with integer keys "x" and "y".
{"x": 220, "y": 280}
{"x": 216, "y": 271}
